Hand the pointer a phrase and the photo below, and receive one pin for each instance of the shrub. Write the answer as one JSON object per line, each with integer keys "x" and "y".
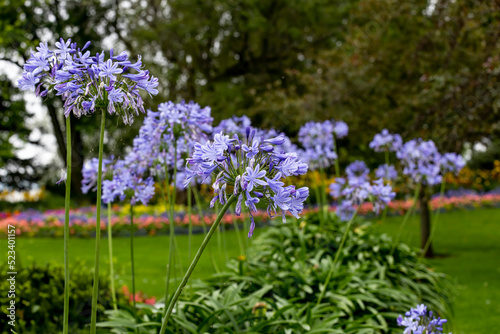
{"x": 277, "y": 289}
{"x": 40, "y": 294}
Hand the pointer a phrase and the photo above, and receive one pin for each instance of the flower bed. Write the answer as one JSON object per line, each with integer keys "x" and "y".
{"x": 153, "y": 220}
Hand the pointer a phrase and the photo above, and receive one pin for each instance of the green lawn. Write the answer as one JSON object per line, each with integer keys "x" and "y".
{"x": 150, "y": 254}
{"x": 469, "y": 242}
{"x": 468, "y": 248}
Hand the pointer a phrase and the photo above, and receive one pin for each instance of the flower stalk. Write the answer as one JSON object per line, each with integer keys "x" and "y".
{"x": 336, "y": 258}
{"x": 111, "y": 267}
{"x": 95, "y": 290}
{"x": 132, "y": 251}
{"x": 193, "y": 264}
{"x": 407, "y": 215}
{"x": 66, "y": 226}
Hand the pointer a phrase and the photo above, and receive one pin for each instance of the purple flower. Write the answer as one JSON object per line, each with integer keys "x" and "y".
{"x": 253, "y": 176}
{"x": 340, "y": 129}
{"x": 28, "y": 81}
{"x": 318, "y": 142}
{"x": 357, "y": 169}
{"x": 421, "y": 161}
{"x": 85, "y": 82}
{"x": 108, "y": 69}
{"x": 421, "y": 321}
{"x": 387, "y": 172}
{"x": 384, "y": 141}
{"x": 251, "y": 151}
{"x": 356, "y": 191}
{"x": 251, "y": 183}
{"x": 115, "y": 96}
{"x": 452, "y": 163}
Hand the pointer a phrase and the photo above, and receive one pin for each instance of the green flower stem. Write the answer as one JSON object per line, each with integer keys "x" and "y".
{"x": 434, "y": 222}
{"x": 384, "y": 213}
{"x": 318, "y": 199}
{"x": 337, "y": 256}
{"x": 172, "y": 233}
{"x": 324, "y": 204}
{"x": 111, "y": 269}
{"x": 66, "y": 226}
{"x": 193, "y": 264}
{"x": 190, "y": 222}
{"x": 95, "y": 290}
{"x": 190, "y": 226}
{"x": 337, "y": 167}
{"x": 200, "y": 214}
{"x": 407, "y": 215}
{"x": 132, "y": 251}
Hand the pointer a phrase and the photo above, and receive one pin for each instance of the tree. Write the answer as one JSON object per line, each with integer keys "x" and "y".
{"x": 23, "y": 25}
{"x": 416, "y": 70}
{"x": 227, "y": 53}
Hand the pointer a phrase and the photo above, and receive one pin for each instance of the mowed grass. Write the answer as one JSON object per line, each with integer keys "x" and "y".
{"x": 150, "y": 257}
{"x": 467, "y": 242}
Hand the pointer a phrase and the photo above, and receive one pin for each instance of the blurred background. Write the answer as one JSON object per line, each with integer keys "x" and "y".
{"x": 419, "y": 68}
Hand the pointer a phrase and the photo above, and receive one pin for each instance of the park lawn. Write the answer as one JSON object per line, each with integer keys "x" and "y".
{"x": 150, "y": 256}
{"x": 468, "y": 242}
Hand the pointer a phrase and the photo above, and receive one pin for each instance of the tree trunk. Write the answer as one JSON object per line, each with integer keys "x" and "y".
{"x": 61, "y": 142}
{"x": 77, "y": 156}
{"x": 425, "y": 222}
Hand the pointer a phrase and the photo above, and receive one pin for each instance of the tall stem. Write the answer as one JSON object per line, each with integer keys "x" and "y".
{"x": 337, "y": 167}
{"x": 111, "y": 269}
{"x": 436, "y": 216}
{"x": 171, "y": 202}
{"x": 193, "y": 264}
{"x": 384, "y": 213}
{"x": 95, "y": 291}
{"x": 66, "y": 226}
{"x": 132, "y": 251}
{"x": 324, "y": 201}
{"x": 200, "y": 214}
{"x": 407, "y": 215}
{"x": 190, "y": 222}
{"x": 318, "y": 199}
{"x": 336, "y": 258}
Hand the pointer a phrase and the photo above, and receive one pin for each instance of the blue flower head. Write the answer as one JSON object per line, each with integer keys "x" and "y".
{"x": 87, "y": 82}
{"x": 254, "y": 173}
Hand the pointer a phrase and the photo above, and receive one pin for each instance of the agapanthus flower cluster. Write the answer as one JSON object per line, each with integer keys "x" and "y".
{"x": 387, "y": 172}
{"x": 85, "y": 82}
{"x": 421, "y": 161}
{"x": 452, "y": 163}
{"x": 318, "y": 143}
{"x": 340, "y": 129}
{"x": 165, "y": 138}
{"x": 385, "y": 141}
{"x": 234, "y": 125}
{"x": 253, "y": 170}
{"x": 89, "y": 173}
{"x": 127, "y": 182}
{"x": 355, "y": 191}
{"x": 421, "y": 321}
{"x": 357, "y": 169}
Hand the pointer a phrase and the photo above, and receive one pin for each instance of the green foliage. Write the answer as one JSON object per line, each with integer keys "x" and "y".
{"x": 276, "y": 290}
{"x": 400, "y": 66}
{"x": 39, "y": 298}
